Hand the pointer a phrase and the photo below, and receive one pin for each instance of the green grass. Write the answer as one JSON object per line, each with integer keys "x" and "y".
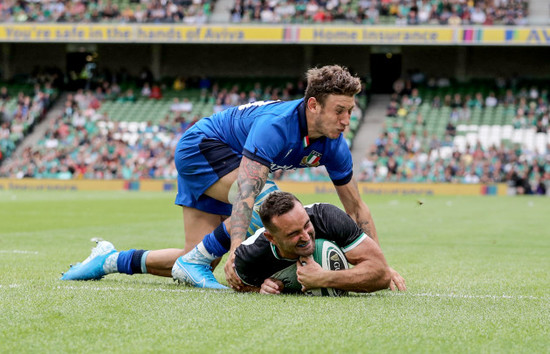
{"x": 477, "y": 269}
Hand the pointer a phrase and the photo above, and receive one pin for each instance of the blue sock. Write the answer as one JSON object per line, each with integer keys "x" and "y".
{"x": 124, "y": 261}
{"x": 129, "y": 262}
{"x": 218, "y": 241}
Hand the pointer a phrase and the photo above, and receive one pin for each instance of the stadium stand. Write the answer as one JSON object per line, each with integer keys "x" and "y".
{"x": 83, "y": 143}
{"x": 21, "y": 107}
{"x": 443, "y": 131}
{"x": 383, "y": 12}
{"x": 436, "y": 130}
{"x": 130, "y": 136}
{"x": 379, "y": 12}
{"x": 464, "y": 133}
{"x": 124, "y": 11}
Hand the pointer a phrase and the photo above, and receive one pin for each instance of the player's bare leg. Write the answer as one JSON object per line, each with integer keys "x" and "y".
{"x": 160, "y": 262}
{"x": 105, "y": 259}
{"x": 198, "y": 223}
{"x": 194, "y": 268}
{"x": 220, "y": 189}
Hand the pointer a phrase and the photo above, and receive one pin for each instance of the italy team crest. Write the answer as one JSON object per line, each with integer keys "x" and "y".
{"x": 311, "y": 160}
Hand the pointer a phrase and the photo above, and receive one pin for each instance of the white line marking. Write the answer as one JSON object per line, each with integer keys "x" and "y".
{"x": 163, "y": 290}
{"x": 466, "y": 296}
{"x": 19, "y": 251}
{"x": 109, "y": 288}
{"x": 460, "y": 296}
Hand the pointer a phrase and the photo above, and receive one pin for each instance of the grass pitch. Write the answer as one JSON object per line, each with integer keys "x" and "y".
{"x": 477, "y": 269}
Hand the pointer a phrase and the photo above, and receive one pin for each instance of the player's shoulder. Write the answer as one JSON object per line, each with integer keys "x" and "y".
{"x": 281, "y": 117}
{"x": 274, "y": 107}
{"x": 254, "y": 247}
{"x": 322, "y": 208}
{"x": 328, "y": 217}
{"x": 284, "y": 112}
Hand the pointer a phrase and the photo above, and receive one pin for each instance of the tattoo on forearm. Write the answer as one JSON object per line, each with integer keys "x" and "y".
{"x": 252, "y": 176}
{"x": 240, "y": 220}
{"x": 365, "y": 226}
{"x": 251, "y": 179}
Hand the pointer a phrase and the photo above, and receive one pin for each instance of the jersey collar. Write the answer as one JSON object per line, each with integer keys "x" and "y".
{"x": 303, "y": 124}
{"x": 276, "y": 254}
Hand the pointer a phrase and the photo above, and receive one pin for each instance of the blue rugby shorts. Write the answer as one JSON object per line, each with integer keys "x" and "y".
{"x": 201, "y": 162}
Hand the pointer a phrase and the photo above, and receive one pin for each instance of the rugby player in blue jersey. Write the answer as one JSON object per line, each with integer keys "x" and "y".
{"x": 223, "y": 163}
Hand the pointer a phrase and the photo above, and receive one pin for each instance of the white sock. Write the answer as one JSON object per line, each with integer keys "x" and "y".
{"x": 199, "y": 255}
{"x": 143, "y": 260}
{"x": 110, "y": 265}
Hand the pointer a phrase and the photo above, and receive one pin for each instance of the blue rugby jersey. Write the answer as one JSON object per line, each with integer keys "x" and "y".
{"x": 274, "y": 133}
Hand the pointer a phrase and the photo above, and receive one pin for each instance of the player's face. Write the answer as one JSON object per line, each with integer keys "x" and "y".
{"x": 332, "y": 118}
{"x": 295, "y": 235}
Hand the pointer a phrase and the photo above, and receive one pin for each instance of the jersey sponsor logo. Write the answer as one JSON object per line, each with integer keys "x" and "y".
{"x": 311, "y": 160}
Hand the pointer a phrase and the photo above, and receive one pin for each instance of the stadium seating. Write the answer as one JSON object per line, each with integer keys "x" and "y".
{"x": 378, "y": 12}
{"x": 135, "y": 129}
{"x": 24, "y": 106}
{"x": 429, "y": 138}
{"x": 434, "y": 141}
{"x": 124, "y": 11}
{"x": 513, "y": 12}
{"x": 145, "y": 110}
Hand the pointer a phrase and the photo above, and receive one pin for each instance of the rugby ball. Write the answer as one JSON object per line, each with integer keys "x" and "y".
{"x": 330, "y": 257}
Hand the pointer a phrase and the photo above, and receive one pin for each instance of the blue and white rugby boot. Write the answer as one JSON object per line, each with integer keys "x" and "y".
{"x": 197, "y": 275}
{"x": 92, "y": 267}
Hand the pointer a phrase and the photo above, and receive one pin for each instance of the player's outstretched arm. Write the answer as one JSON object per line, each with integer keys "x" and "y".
{"x": 371, "y": 272}
{"x": 360, "y": 212}
{"x": 250, "y": 181}
{"x": 356, "y": 208}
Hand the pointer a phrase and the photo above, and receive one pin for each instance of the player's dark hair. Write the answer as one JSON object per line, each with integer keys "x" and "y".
{"x": 331, "y": 80}
{"x": 276, "y": 204}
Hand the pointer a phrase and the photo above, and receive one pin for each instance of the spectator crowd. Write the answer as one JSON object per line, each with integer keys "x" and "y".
{"x": 374, "y": 12}
{"x": 393, "y": 12}
{"x": 407, "y": 156}
{"x": 84, "y": 11}
{"x": 19, "y": 112}
{"x": 397, "y": 158}
{"x": 84, "y": 142}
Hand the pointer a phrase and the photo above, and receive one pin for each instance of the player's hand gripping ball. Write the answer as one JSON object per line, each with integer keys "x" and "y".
{"x": 330, "y": 257}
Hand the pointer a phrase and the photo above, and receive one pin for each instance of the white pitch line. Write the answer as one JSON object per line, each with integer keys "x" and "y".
{"x": 460, "y": 296}
{"x": 109, "y": 288}
{"x": 19, "y": 251}
{"x": 456, "y": 296}
{"x": 466, "y": 296}
{"x": 11, "y": 286}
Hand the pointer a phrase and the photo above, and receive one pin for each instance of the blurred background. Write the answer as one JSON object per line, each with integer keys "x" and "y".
{"x": 455, "y": 92}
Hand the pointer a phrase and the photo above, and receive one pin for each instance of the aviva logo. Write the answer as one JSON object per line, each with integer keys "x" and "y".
{"x": 532, "y": 36}
{"x": 539, "y": 36}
